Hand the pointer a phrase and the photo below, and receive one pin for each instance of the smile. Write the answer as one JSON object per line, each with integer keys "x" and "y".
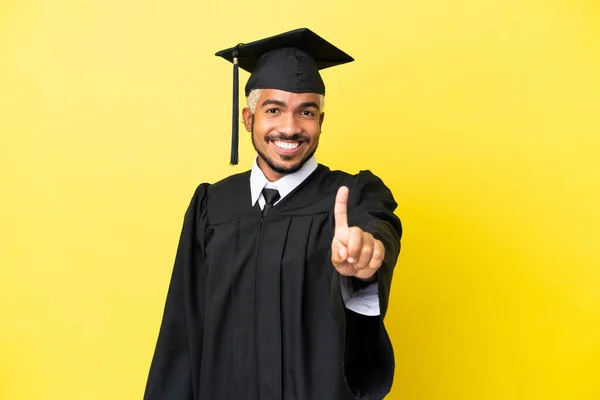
{"x": 286, "y": 145}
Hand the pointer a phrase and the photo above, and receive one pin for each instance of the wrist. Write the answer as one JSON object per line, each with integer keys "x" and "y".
{"x": 371, "y": 279}
{"x": 360, "y": 283}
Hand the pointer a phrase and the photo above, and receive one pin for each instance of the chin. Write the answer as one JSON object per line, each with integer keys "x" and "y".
{"x": 287, "y": 168}
{"x": 284, "y": 167}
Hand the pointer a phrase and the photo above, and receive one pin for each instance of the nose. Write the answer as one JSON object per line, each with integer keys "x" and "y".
{"x": 289, "y": 125}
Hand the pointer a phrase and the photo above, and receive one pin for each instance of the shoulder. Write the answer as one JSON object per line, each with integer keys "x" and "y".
{"x": 366, "y": 189}
{"x": 230, "y": 184}
{"x": 225, "y": 187}
{"x": 332, "y": 178}
{"x": 226, "y": 199}
{"x": 364, "y": 180}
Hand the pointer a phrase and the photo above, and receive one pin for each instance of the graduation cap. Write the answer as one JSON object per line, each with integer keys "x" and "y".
{"x": 289, "y": 61}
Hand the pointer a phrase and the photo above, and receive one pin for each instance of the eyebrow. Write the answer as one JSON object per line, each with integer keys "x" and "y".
{"x": 284, "y": 104}
{"x": 274, "y": 102}
{"x": 309, "y": 104}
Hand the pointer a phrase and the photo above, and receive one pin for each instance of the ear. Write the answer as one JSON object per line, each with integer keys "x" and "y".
{"x": 321, "y": 118}
{"x": 247, "y": 119}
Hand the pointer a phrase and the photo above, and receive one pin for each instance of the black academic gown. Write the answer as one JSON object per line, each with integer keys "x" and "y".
{"x": 254, "y": 309}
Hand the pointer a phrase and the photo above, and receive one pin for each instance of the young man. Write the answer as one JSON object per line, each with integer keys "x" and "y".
{"x": 282, "y": 275}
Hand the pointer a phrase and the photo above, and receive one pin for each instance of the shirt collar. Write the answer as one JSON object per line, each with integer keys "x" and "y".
{"x": 285, "y": 185}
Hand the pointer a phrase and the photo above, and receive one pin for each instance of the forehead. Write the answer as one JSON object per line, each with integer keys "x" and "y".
{"x": 290, "y": 98}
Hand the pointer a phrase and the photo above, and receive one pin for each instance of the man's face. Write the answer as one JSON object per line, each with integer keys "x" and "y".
{"x": 285, "y": 130}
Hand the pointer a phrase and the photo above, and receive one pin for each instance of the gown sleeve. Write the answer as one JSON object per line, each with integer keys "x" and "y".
{"x": 178, "y": 349}
{"x": 368, "y": 354}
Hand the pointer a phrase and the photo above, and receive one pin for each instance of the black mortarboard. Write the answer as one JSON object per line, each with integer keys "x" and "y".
{"x": 289, "y": 61}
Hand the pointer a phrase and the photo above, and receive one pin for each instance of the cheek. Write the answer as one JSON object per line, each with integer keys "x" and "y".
{"x": 313, "y": 130}
{"x": 263, "y": 125}
{"x": 259, "y": 132}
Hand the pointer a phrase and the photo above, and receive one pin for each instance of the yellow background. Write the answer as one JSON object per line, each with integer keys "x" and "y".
{"x": 482, "y": 116}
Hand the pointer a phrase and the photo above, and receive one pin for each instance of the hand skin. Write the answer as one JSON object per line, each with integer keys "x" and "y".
{"x": 354, "y": 252}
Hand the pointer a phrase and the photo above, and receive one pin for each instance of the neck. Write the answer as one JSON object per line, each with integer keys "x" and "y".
{"x": 271, "y": 175}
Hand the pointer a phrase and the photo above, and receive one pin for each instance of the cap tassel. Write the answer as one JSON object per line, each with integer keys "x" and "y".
{"x": 235, "y": 136}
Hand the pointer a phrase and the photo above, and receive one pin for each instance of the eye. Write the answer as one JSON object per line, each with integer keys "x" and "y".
{"x": 272, "y": 111}
{"x": 308, "y": 113}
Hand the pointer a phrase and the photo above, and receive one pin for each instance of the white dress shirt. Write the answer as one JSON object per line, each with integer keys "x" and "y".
{"x": 362, "y": 301}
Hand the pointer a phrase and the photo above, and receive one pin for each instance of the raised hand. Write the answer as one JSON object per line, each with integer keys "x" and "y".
{"x": 353, "y": 251}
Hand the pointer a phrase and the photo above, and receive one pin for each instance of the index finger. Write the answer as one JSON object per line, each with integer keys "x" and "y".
{"x": 340, "y": 211}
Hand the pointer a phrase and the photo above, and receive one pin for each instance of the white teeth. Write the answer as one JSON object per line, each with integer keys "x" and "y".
{"x": 286, "y": 145}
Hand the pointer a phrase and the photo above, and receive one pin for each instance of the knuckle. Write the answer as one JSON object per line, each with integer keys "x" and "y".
{"x": 367, "y": 250}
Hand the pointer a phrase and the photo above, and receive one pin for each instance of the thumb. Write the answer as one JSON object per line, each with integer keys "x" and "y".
{"x": 339, "y": 252}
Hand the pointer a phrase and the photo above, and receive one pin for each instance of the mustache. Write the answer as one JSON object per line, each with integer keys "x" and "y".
{"x": 297, "y": 137}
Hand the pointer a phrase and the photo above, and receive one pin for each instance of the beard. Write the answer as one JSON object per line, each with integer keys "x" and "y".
{"x": 281, "y": 169}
